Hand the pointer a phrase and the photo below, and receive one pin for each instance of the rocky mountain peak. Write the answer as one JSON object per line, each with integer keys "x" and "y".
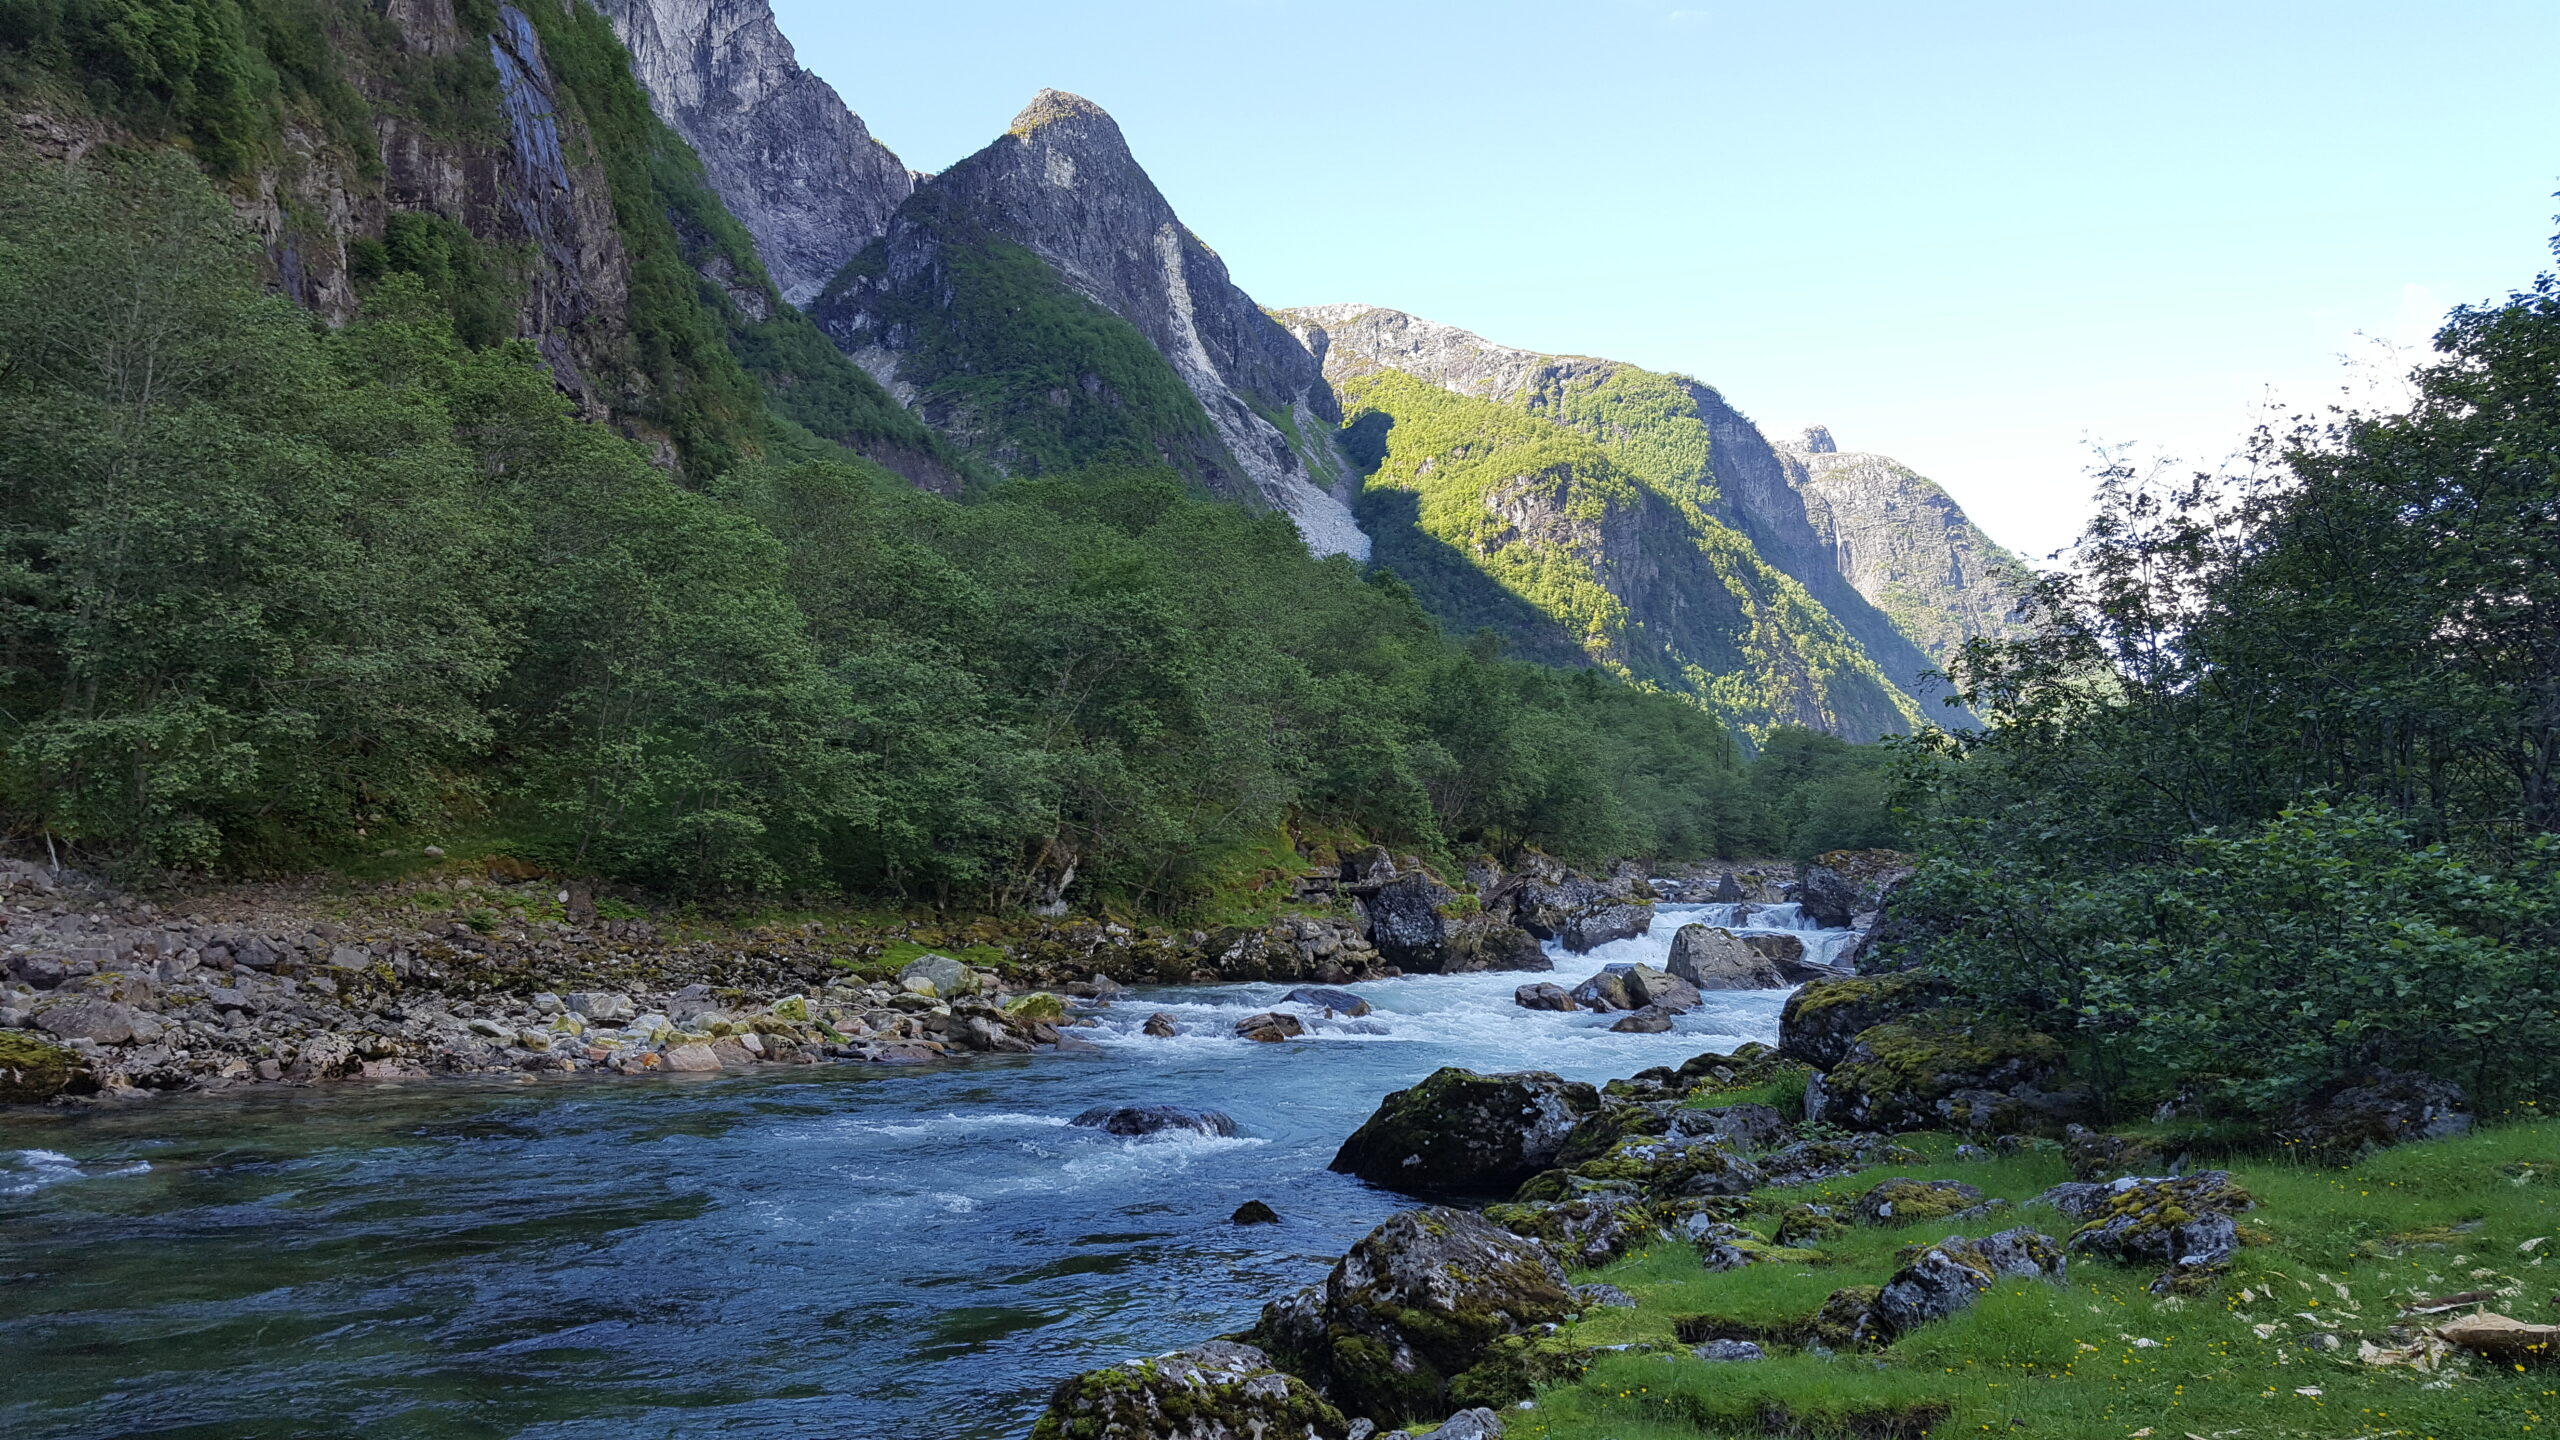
{"x": 796, "y": 167}
{"x": 1817, "y": 441}
{"x": 1348, "y": 340}
{"x": 1057, "y": 107}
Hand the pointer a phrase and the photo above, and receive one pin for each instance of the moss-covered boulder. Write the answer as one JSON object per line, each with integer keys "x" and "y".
{"x": 1461, "y": 1133}
{"x": 1943, "y": 1071}
{"x": 33, "y": 1069}
{"x": 1668, "y": 1169}
{"x": 1394, "y": 1330}
{"x": 1846, "y": 1318}
{"x": 1822, "y": 1019}
{"x": 1587, "y": 1231}
{"x": 1599, "y": 1132}
{"x": 1216, "y": 1391}
{"x": 1804, "y": 1226}
{"x": 1810, "y": 1162}
{"x": 1724, "y": 1245}
{"x": 2174, "y": 1221}
{"x": 1901, "y": 1201}
{"x": 1936, "y": 1281}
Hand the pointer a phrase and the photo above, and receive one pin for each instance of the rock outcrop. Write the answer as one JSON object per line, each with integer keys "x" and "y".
{"x": 1461, "y": 1133}
{"x": 792, "y": 163}
{"x": 1714, "y": 959}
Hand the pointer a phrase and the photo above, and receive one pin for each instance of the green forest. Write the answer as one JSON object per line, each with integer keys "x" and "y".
{"x": 2270, "y": 795}
{"x": 275, "y": 592}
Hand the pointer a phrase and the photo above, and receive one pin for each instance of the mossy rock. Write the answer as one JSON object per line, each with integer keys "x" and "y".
{"x": 1845, "y": 1319}
{"x": 1461, "y": 1133}
{"x": 1671, "y": 1170}
{"x": 1597, "y": 1134}
{"x": 1039, "y": 1005}
{"x": 1825, "y": 1016}
{"x": 2096, "y": 1155}
{"x": 1588, "y": 1231}
{"x": 1802, "y": 1226}
{"x": 1942, "y": 1071}
{"x": 1514, "y": 1370}
{"x": 1900, "y": 1201}
{"x": 1216, "y": 1389}
{"x": 33, "y": 1069}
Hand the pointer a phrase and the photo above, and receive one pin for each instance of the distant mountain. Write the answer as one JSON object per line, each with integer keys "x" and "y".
{"x": 1034, "y": 300}
{"x": 1905, "y": 545}
{"x": 1590, "y": 508}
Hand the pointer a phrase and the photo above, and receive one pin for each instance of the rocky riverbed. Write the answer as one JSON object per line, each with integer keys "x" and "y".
{"x": 491, "y": 968}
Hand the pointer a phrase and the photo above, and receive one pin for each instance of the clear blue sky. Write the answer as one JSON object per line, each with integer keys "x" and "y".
{"x": 1973, "y": 236}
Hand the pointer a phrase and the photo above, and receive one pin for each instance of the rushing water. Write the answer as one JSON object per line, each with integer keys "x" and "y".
{"x": 838, "y": 1251}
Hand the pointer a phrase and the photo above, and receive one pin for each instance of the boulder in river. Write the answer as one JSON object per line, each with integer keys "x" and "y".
{"x": 1607, "y": 990}
{"x": 1406, "y": 920}
{"x": 1254, "y": 1212}
{"x": 1461, "y": 1133}
{"x": 1490, "y": 942}
{"x": 1542, "y": 996}
{"x": 1587, "y": 930}
{"x": 1270, "y": 1027}
{"x": 1651, "y": 1020}
{"x": 1417, "y": 1304}
{"x": 1332, "y": 1002}
{"x": 1716, "y": 959}
{"x": 1218, "y": 1390}
{"x": 1155, "y": 1120}
{"x": 1160, "y": 1025}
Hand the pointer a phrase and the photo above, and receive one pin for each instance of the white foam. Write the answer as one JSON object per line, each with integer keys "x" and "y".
{"x": 24, "y": 1172}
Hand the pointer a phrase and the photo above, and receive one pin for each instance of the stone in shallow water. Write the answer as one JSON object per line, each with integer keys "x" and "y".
{"x": 1254, "y": 1212}
{"x": 1155, "y": 1120}
{"x": 1338, "y": 1002}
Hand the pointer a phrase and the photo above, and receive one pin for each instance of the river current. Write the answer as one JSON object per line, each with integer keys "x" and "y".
{"x": 891, "y": 1254}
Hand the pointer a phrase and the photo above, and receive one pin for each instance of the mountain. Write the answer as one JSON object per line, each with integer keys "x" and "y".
{"x": 1905, "y": 545}
{"x": 1041, "y": 301}
{"x": 1591, "y": 509}
{"x": 796, "y": 167}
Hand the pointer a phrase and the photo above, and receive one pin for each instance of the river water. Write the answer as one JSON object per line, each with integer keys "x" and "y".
{"x": 889, "y": 1254}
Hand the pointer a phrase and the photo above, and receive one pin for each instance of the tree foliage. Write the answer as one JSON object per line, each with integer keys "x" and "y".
{"x": 2272, "y": 791}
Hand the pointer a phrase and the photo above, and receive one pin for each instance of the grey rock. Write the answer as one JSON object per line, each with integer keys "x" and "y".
{"x": 104, "y": 1022}
{"x": 1155, "y": 1120}
{"x": 795, "y": 166}
{"x": 1587, "y": 930}
{"x": 1729, "y": 1351}
{"x": 1477, "y": 1424}
{"x": 1716, "y": 959}
{"x": 605, "y": 1007}
{"x": 1599, "y": 1296}
{"x": 1332, "y": 1002}
{"x": 1651, "y": 1020}
{"x": 948, "y": 978}
{"x": 1160, "y": 1025}
{"x": 1542, "y": 996}
{"x": 1270, "y": 1027}
{"x": 1218, "y": 1390}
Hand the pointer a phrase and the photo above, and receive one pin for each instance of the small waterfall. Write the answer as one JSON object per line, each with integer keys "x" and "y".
{"x": 1654, "y": 946}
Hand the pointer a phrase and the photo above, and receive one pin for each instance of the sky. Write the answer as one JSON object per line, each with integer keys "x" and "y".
{"x": 1981, "y": 238}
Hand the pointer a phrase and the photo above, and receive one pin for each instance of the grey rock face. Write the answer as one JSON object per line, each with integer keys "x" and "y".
{"x": 791, "y": 162}
{"x": 1906, "y": 546}
{"x": 1063, "y": 184}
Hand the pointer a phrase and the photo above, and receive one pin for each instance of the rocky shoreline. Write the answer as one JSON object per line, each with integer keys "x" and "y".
{"x": 494, "y": 968}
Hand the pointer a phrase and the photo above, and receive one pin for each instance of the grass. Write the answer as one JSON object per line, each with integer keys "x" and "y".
{"x": 2335, "y": 1251}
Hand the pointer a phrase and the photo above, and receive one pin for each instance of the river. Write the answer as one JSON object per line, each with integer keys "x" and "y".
{"x": 889, "y": 1254}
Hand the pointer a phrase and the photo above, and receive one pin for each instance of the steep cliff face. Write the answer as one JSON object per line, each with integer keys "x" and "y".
{"x": 505, "y": 155}
{"x": 796, "y": 167}
{"x": 955, "y": 308}
{"x": 1554, "y": 498}
{"x": 1906, "y": 546}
